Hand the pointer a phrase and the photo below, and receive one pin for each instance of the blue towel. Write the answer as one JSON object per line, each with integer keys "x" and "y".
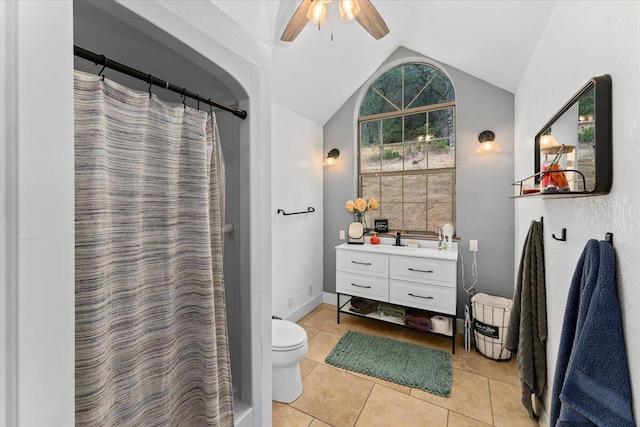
{"x": 591, "y": 385}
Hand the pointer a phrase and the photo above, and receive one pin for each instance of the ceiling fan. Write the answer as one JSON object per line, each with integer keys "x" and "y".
{"x": 316, "y": 11}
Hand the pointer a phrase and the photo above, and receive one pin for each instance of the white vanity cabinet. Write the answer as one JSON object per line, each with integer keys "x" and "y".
{"x": 422, "y": 278}
{"x": 424, "y": 283}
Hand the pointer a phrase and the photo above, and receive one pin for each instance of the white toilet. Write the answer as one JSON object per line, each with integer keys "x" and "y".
{"x": 288, "y": 346}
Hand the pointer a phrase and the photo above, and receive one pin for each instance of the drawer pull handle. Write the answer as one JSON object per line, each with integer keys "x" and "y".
{"x": 420, "y": 296}
{"x": 361, "y": 286}
{"x": 361, "y": 263}
{"x": 421, "y": 271}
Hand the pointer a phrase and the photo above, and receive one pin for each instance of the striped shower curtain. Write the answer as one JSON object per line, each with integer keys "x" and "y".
{"x": 151, "y": 336}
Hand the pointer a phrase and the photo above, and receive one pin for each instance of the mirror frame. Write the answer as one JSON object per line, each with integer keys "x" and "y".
{"x": 603, "y": 151}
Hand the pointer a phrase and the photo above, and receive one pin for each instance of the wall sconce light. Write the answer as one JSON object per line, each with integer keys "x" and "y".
{"x": 332, "y": 156}
{"x": 487, "y": 142}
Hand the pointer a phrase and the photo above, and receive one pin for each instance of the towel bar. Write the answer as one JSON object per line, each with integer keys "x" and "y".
{"x": 309, "y": 210}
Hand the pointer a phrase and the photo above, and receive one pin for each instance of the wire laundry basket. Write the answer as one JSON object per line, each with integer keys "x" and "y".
{"x": 490, "y": 323}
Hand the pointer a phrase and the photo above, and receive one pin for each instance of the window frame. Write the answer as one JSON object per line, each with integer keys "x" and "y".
{"x": 414, "y": 172}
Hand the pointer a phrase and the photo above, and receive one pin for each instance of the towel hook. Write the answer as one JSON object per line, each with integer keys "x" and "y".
{"x": 150, "y": 83}
{"x": 563, "y": 236}
{"x": 184, "y": 97}
{"x": 608, "y": 237}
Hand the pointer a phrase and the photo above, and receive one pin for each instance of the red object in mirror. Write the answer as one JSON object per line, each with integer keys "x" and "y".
{"x": 375, "y": 240}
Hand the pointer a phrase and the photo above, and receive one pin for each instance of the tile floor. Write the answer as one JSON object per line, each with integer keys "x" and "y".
{"x": 483, "y": 393}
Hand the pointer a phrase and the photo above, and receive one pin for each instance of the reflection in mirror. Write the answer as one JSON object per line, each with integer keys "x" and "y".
{"x": 573, "y": 150}
{"x": 570, "y": 145}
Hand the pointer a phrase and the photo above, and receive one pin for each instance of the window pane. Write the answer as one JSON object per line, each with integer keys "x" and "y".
{"x": 371, "y": 187}
{"x": 415, "y": 126}
{"x": 391, "y": 189}
{"x": 415, "y": 188}
{"x": 438, "y": 89}
{"x": 440, "y": 187}
{"x": 373, "y": 103}
{"x": 415, "y": 152}
{"x": 440, "y": 200}
{"x": 440, "y": 133}
{"x": 393, "y": 213}
{"x": 370, "y": 146}
{"x": 415, "y": 217}
{"x": 392, "y": 147}
{"x": 416, "y": 77}
{"x": 392, "y": 130}
{"x": 389, "y": 85}
{"x": 415, "y": 155}
{"x": 438, "y": 214}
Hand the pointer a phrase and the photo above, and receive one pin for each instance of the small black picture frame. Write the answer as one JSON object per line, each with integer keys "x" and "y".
{"x": 381, "y": 225}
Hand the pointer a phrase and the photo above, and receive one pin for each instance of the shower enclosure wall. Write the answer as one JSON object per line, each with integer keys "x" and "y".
{"x": 101, "y": 32}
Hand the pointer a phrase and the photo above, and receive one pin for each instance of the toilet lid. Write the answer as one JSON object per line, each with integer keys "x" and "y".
{"x": 286, "y": 335}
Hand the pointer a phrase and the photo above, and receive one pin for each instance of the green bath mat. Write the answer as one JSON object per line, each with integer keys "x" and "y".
{"x": 400, "y": 362}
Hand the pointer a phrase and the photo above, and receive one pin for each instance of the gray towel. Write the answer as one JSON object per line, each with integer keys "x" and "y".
{"x": 527, "y": 333}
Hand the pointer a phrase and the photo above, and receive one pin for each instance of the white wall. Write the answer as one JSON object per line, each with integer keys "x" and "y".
{"x": 582, "y": 40}
{"x": 45, "y": 182}
{"x": 297, "y": 171}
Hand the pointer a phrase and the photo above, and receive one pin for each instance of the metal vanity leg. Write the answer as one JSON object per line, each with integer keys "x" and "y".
{"x": 338, "y": 307}
{"x": 453, "y": 337}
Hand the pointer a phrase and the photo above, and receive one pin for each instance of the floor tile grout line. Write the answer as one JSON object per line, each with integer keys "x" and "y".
{"x": 365, "y": 404}
{"x": 493, "y": 418}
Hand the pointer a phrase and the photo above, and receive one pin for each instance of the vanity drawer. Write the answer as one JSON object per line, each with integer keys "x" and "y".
{"x": 363, "y": 262}
{"x": 428, "y": 297}
{"x": 423, "y": 270}
{"x": 363, "y": 286}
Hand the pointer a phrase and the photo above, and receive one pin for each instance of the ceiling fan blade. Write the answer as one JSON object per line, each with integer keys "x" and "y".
{"x": 371, "y": 20}
{"x": 297, "y": 22}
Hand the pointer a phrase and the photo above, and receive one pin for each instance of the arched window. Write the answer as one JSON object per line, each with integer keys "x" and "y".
{"x": 406, "y": 154}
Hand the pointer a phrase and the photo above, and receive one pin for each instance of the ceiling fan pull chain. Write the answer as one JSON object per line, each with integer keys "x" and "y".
{"x": 331, "y": 20}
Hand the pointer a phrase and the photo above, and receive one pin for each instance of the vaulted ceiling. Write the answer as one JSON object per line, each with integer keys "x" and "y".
{"x": 314, "y": 75}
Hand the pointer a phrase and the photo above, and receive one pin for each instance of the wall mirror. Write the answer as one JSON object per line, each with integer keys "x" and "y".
{"x": 573, "y": 150}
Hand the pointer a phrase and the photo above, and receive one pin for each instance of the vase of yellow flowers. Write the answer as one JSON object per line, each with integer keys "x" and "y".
{"x": 359, "y": 207}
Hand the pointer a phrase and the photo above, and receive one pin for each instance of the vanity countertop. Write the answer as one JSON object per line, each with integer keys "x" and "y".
{"x": 421, "y": 252}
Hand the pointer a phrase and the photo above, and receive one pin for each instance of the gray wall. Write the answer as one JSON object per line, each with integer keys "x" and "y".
{"x": 484, "y": 211}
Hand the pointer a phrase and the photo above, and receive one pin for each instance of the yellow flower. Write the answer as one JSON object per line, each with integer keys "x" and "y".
{"x": 373, "y": 203}
{"x": 350, "y": 205}
{"x": 361, "y": 204}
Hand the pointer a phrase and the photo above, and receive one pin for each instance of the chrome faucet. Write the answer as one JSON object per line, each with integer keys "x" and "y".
{"x": 398, "y": 239}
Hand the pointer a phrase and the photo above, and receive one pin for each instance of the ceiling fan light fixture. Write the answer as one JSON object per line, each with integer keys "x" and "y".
{"x": 349, "y": 9}
{"x": 317, "y": 12}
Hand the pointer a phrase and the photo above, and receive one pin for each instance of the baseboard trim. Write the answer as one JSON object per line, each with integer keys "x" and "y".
{"x": 329, "y": 298}
{"x": 305, "y": 308}
{"x": 541, "y": 411}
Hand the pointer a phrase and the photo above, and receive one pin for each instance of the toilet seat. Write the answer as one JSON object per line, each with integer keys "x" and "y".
{"x": 287, "y": 336}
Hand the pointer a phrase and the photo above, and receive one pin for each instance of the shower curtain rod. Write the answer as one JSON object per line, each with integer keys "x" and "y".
{"x": 108, "y": 63}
